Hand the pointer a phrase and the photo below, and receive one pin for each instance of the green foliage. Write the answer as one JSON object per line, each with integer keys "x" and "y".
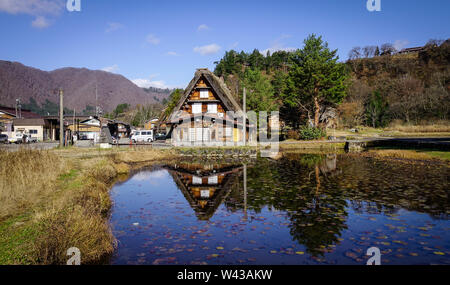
{"x": 88, "y": 110}
{"x": 376, "y": 108}
{"x": 173, "y": 100}
{"x": 120, "y": 109}
{"x": 49, "y": 108}
{"x": 315, "y": 75}
{"x": 260, "y": 95}
{"x": 312, "y": 133}
{"x": 235, "y": 63}
{"x": 144, "y": 113}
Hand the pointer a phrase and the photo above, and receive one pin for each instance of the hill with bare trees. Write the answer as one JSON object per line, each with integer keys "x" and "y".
{"x": 36, "y": 88}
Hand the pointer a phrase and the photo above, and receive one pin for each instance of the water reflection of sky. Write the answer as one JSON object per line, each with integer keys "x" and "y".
{"x": 156, "y": 224}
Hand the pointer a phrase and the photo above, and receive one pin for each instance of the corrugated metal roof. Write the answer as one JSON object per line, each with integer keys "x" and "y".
{"x": 29, "y": 122}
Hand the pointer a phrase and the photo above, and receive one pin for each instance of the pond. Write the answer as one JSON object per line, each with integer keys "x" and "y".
{"x": 300, "y": 209}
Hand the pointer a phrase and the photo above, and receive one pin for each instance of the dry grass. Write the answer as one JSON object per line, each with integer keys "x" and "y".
{"x": 26, "y": 177}
{"x": 57, "y": 199}
{"x": 312, "y": 145}
{"x": 137, "y": 155}
{"x": 77, "y": 219}
{"x": 400, "y": 153}
{"x": 438, "y": 127}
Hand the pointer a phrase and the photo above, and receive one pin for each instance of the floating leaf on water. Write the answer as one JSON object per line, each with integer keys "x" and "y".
{"x": 219, "y": 248}
{"x": 439, "y": 253}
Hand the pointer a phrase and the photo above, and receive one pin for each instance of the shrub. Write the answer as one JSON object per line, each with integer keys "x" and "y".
{"x": 293, "y": 134}
{"x": 312, "y": 133}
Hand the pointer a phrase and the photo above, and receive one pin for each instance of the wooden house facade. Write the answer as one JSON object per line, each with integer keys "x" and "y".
{"x": 202, "y": 115}
{"x": 205, "y": 186}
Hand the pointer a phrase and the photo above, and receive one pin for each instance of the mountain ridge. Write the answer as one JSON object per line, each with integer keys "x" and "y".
{"x": 32, "y": 84}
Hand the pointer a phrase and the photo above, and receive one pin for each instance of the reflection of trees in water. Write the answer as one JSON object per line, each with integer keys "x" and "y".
{"x": 293, "y": 184}
{"x": 373, "y": 208}
{"x": 314, "y": 189}
{"x": 394, "y": 185}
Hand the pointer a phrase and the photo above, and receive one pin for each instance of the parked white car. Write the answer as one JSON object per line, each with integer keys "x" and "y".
{"x": 142, "y": 136}
{"x": 18, "y": 138}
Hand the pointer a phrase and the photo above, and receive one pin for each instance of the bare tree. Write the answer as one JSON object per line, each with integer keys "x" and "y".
{"x": 369, "y": 51}
{"x": 387, "y": 49}
{"x": 434, "y": 43}
{"x": 355, "y": 53}
{"x": 407, "y": 98}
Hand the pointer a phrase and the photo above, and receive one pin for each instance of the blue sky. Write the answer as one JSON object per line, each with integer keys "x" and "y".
{"x": 161, "y": 43}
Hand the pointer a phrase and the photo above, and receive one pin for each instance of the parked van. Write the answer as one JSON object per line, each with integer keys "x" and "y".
{"x": 19, "y": 138}
{"x": 142, "y": 136}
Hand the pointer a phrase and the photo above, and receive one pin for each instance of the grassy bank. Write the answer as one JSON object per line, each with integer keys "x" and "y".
{"x": 425, "y": 155}
{"x": 57, "y": 199}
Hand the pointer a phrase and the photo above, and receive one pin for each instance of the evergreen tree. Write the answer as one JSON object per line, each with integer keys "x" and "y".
{"x": 260, "y": 95}
{"x": 377, "y": 51}
{"x": 315, "y": 79}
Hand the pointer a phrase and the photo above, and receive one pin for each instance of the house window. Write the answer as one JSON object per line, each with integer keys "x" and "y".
{"x": 33, "y": 132}
{"x": 198, "y": 134}
{"x": 213, "y": 180}
{"x": 228, "y": 132}
{"x": 191, "y": 134}
{"x": 204, "y": 193}
{"x": 196, "y": 180}
{"x": 204, "y": 93}
{"x": 197, "y": 108}
{"x": 206, "y": 135}
{"x": 212, "y": 108}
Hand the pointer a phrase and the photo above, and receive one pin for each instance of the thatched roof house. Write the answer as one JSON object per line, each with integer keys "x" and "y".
{"x": 200, "y": 115}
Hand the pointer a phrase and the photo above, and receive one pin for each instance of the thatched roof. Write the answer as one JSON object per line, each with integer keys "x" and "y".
{"x": 219, "y": 88}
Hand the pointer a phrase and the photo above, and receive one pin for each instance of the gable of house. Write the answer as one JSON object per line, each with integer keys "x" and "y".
{"x": 206, "y": 93}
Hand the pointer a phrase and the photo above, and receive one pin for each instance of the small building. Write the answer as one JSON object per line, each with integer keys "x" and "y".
{"x": 201, "y": 117}
{"x": 411, "y": 50}
{"x": 20, "y": 120}
{"x": 119, "y": 129}
{"x": 151, "y": 124}
{"x": 88, "y": 129}
{"x": 32, "y": 127}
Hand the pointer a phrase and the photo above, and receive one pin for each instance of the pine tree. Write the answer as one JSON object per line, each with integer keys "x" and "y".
{"x": 316, "y": 78}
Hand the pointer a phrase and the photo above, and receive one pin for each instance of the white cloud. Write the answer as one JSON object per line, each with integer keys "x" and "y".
{"x": 37, "y": 8}
{"x": 203, "y": 27}
{"x": 172, "y": 53}
{"x": 207, "y": 50}
{"x": 149, "y": 82}
{"x": 32, "y": 7}
{"x": 40, "y": 22}
{"x": 113, "y": 68}
{"x": 400, "y": 44}
{"x": 151, "y": 38}
{"x": 278, "y": 45}
{"x": 113, "y": 26}
{"x": 234, "y": 45}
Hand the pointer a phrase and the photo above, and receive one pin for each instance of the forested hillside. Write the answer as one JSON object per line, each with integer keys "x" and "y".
{"x": 379, "y": 88}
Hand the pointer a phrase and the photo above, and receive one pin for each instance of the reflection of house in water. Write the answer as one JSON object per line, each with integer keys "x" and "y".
{"x": 205, "y": 186}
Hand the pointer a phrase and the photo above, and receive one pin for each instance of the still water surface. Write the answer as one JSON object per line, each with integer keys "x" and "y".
{"x": 301, "y": 209}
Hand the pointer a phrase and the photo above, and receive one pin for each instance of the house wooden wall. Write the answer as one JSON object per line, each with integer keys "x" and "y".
{"x": 195, "y": 96}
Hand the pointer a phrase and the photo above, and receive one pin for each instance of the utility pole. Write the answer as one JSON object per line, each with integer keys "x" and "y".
{"x": 61, "y": 117}
{"x": 18, "y": 109}
{"x": 245, "y": 192}
{"x": 96, "y": 100}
